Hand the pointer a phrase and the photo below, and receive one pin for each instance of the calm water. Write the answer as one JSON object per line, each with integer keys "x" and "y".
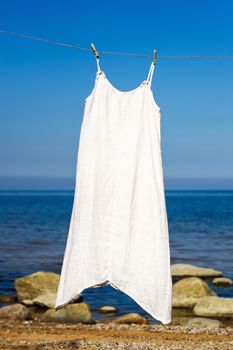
{"x": 34, "y": 227}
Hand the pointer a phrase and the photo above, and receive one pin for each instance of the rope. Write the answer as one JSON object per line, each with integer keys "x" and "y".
{"x": 26, "y": 36}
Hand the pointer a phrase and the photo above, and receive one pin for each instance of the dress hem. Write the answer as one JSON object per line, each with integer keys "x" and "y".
{"x": 117, "y": 286}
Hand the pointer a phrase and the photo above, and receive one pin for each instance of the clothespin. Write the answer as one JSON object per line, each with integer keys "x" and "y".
{"x": 154, "y": 57}
{"x": 94, "y": 50}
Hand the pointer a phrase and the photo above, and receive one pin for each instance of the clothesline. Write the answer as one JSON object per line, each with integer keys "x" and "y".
{"x": 26, "y": 36}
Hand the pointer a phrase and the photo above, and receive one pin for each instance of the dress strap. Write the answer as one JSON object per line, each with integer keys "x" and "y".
{"x": 150, "y": 74}
{"x": 98, "y": 64}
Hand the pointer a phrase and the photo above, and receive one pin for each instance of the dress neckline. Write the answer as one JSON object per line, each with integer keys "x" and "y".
{"x": 102, "y": 73}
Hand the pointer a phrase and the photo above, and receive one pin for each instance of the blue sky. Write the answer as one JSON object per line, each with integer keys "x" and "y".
{"x": 43, "y": 87}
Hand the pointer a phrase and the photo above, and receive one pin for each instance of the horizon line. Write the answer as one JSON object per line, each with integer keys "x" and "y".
{"x": 66, "y": 183}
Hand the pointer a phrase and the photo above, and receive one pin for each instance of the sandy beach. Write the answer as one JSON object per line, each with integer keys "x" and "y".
{"x": 34, "y": 334}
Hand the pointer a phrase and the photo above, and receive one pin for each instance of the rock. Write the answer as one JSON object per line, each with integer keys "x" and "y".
{"x": 130, "y": 318}
{"x": 222, "y": 281}
{"x": 183, "y": 302}
{"x": 187, "y": 270}
{"x": 107, "y": 309}
{"x": 204, "y": 322}
{"x": 27, "y": 302}
{"x": 47, "y": 300}
{"x": 15, "y": 311}
{"x": 7, "y": 299}
{"x": 187, "y": 291}
{"x": 36, "y": 284}
{"x": 214, "y": 307}
{"x": 180, "y": 312}
{"x": 71, "y": 313}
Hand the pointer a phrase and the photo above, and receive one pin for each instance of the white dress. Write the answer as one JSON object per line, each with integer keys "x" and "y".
{"x": 118, "y": 231}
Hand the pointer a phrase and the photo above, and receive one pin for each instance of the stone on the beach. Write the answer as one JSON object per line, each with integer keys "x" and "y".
{"x": 204, "y": 322}
{"x": 107, "y": 309}
{"x": 187, "y": 270}
{"x": 27, "y": 302}
{"x": 71, "y": 313}
{"x": 130, "y": 318}
{"x": 35, "y": 284}
{"x": 222, "y": 281}
{"x": 45, "y": 300}
{"x": 187, "y": 291}
{"x": 178, "y": 312}
{"x": 214, "y": 307}
{"x": 8, "y": 299}
{"x": 15, "y": 311}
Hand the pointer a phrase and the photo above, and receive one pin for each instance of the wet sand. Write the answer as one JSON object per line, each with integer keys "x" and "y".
{"x": 37, "y": 335}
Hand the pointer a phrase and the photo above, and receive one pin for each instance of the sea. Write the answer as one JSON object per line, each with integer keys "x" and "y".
{"x": 34, "y": 227}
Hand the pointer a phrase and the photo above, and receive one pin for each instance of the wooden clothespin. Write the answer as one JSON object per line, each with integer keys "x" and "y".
{"x": 154, "y": 57}
{"x": 96, "y": 53}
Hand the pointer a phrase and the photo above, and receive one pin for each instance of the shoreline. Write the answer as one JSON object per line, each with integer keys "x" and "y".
{"x": 35, "y": 335}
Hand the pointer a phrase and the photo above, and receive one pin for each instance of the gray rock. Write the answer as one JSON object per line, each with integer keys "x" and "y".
{"x": 187, "y": 291}
{"x": 15, "y": 311}
{"x": 130, "y": 318}
{"x": 214, "y": 307}
{"x": 222, "y": 281}
{"x": 204, "y": 322}
{"x": 36, "y": 284}
{"x": 107, "y": 309}
{"x": 71, "y": 313}
{"x": 187, "y": 270}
